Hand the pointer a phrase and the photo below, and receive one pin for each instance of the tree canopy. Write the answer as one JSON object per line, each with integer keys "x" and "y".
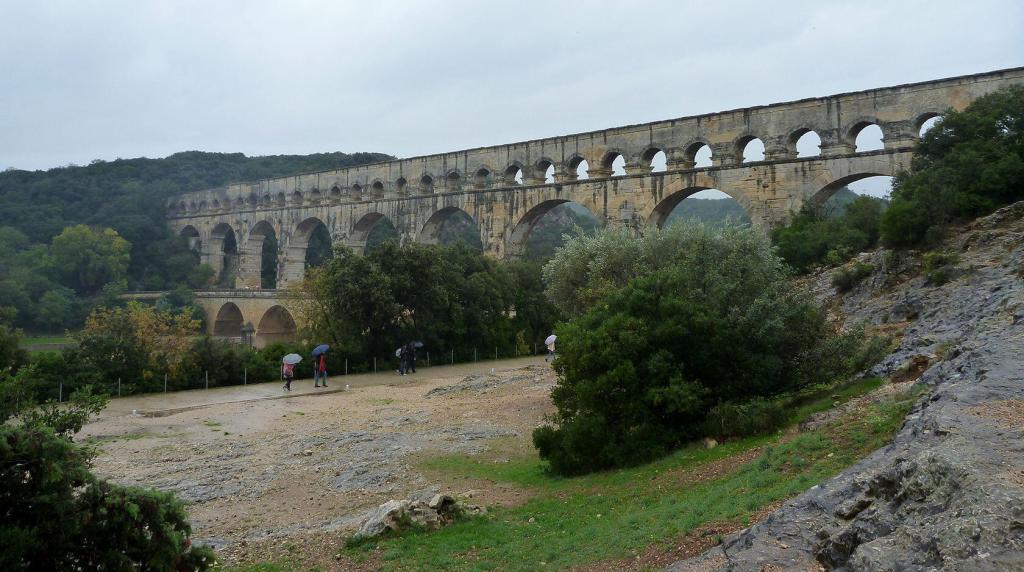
{"x": 968, "y": 164}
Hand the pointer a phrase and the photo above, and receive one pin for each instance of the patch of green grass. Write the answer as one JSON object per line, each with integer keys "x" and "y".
{"x": 115, "y": 438}
{"x": 819, "y": 400}
{"x": 385, "y": 401}
{"x": 213, "y": 424}
{"x": 608, "y": 515}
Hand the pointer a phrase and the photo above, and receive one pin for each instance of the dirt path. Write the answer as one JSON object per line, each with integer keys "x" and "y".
{"x": 254, "y": 467}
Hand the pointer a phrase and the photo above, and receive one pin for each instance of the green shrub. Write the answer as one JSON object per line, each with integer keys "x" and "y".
{"x": 639, "y": 371}
{"x": 938, "y": 266}
{"x": 57, "y": 515}
{"x": 845, "y": 279}
{"x": 812, "y": 238}
{"x": 753, "y": 417}
{"x": 969, "y": 164}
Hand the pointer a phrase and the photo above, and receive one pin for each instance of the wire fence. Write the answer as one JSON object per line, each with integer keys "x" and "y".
{"x": 424, "y": 359}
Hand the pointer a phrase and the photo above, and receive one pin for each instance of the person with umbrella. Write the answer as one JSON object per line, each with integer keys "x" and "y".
{"x": 550, "y": 343}
{"x": 288, "y": 369}
{"x": 320, "y": 364}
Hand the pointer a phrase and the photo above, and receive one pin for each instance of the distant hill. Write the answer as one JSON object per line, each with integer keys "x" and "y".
{"x": 128, "y": 195}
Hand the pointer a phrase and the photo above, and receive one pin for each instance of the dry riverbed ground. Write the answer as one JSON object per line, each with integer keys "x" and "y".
{"x": 267, "y": 475}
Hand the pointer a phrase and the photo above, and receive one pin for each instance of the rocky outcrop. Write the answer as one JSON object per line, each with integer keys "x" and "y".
{"x": 396, "y": 515}
{"x": 948, "y": 493}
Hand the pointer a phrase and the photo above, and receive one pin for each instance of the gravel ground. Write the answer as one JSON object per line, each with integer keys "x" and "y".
{"x": 272, "y": 472}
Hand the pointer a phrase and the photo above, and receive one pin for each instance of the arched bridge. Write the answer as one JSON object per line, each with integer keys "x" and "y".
{"x": 507, "y": 188}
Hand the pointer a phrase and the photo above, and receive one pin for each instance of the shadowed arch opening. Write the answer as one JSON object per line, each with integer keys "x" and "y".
{"x": 276, "y": 325}
{"x": 580, "y": 167}
{"x": 426, "y": 184}
{"x": 750, "y": 149}
{"x": 698, "y": 154}
{"x": 313, "y": 238}
{"x": 548, "y": 169}
{"x": 371, "y": 231}
{"x": 833, "y": 197}
{"x": 263, "y": 246}
{"x": 657, "y": 160}
{"x": 223, "y": 237}
{"x": 926, "y": 122}
{"x": 453, "y": 182}
{"x": 483, "y": 178}
{"x": 377, "y": 190}
{"x": 867, "y": 136}
{"x": 541, "y": 231}
{"x": 614, "y": 164}
{"x": 804, "y": 143}
{"x": 513, "y": 175}
{"x": 228, "y": 323}
{"x": 356, "y": 192}
{"x": 191, "y": 235}
{"x": 703, "y": 204}
{"x": 449, "y": 226}
{"x": 400, "y": 185}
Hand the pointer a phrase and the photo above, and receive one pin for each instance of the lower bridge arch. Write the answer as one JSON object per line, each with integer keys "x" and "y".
{"x": 228, "y": 322}
{"x": 276, "y": 325}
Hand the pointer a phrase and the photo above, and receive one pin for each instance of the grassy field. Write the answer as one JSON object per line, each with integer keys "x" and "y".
{"x": 620, "y": 514}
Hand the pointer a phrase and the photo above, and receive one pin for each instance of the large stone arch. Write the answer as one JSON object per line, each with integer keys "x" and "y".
{"x": 671, "y": 200}
{"x": 228, "y": 321}
{"x": 223, "y": 254}
{"x": 825, "y": 193}
{"x": 276, "y": 325}
{"x": 361, "y": 230}
{"x": 190, "y": 233}
{"x": 293, "y": 264}
{"x": 251, "y": 263}
{"x": 520, "y": 232}
{"x": 430, "y": 233}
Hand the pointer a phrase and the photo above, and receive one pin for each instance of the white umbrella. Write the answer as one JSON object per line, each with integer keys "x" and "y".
{"x": 550, "y": 339}
{"x": 292, "y": 358}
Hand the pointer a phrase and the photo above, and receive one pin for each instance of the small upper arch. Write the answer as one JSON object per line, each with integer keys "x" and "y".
{"x": 613, "y": 163}
{"x": 577, "y": 167}
{"x": 377, "y": 189}
{"x": 513, "y": 174}
{"x": 452, "y": 180}
{"x": 748, "y": 147}
{"x": 483, "y": 176}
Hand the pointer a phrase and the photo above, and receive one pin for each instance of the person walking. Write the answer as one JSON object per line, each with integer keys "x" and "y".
{"x": 403, "y": 360}
{"x": 288, "y": 373}
{"x": 320, "y": 370}
{"x": 412, "y": 357}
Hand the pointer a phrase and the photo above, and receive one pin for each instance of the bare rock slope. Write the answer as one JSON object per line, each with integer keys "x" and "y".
{"x": 948, "y": 493}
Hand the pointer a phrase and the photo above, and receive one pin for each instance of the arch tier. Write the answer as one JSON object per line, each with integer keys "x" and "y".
{"x": 410, "y": 192}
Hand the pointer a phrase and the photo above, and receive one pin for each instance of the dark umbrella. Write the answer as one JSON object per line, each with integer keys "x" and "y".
{"x": 322, "y": 348}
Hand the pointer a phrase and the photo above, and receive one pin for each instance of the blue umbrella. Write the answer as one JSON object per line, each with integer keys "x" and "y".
{"x": 322, "y": 348}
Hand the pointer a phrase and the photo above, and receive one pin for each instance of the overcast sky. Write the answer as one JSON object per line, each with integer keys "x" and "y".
{"x": 106, "y": 79}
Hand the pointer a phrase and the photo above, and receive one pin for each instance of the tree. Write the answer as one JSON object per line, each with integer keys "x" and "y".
{"x": 90, "y": 258}
{"x": 716, "y": 322}
{"x": 970, "y": 163}
{"x": 57, "y": 515}
{"x": 137, "y": 344}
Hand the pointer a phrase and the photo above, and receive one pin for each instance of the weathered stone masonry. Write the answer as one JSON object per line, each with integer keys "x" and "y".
{"x": 419, "y": 193}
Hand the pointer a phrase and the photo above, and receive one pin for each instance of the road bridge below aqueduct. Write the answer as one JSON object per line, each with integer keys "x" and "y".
{"x": 506, "y": 189}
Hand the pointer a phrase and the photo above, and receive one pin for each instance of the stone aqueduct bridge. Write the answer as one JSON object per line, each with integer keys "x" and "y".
{"x": 418, "y": 194}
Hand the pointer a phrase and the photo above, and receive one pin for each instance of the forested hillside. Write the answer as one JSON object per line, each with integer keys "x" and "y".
{"x": 47, "y": 286}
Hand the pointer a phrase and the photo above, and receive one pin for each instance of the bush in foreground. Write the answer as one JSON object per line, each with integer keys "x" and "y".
{"x": 639, "y": 371}
{"x": 56, "y": 515}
